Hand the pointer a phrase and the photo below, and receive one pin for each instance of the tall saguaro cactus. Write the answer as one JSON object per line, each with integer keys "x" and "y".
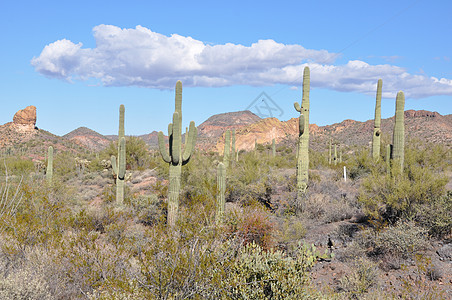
{"x": 303, "y": 138}
{"x": 119, "y": 168}
{"x": 398, "y": 138}
{"x": 335, "y": 154}
{"x": 388, "y": 159}
{"x": 329, "y": 152}
{"x": 175, "y": 157}
{"x": 227, "y": 148}
{"x": 377, "y": 123}
{"x": 119, "y": 163}
{"x": 273, "y": 148}
{"x": 233, "y": 146}
{"x": 221, "y": 187}
{"x": 49, "y": 170}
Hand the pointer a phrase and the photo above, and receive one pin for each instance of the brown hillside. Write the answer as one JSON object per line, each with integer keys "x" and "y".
{"x": 88, "y": 138}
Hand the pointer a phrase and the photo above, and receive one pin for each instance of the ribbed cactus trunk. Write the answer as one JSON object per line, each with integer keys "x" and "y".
{"x": 273, "y": 148}
{"x": 119, "y": 163}
{"x": 227, "y": 147}
{"x": 233, "y": 146}
{"x": 303, "y": 139}
{"x": 49, "y": 170}
{"x": 221, "y": 187}
{"x": 175, "y": 157}
{"x": 329, "y": 153}
{"x": 340, "y": 155}
{"x": 335, "y": 155}
{"x": 398, "y": 138}
{"x": 388, "y": 159}
{"x": 377, "y": 123}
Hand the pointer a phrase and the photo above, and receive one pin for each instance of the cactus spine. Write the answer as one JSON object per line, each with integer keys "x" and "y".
{"x": 49, "y": 170}
{"x": 227, "y": 147}
{"x": 221, "y": 187}
{"x": 398, "y": 138}
{"x": 273, "y": 148}
{"x": 118, "y": 164}
{"x": 175, "y": 157}
{"x": 377, "y": 123}
{"x": 303, "y": 139}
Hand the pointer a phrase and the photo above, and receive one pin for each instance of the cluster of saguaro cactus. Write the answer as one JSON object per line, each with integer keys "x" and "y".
{"x": 303, "y": 139}
{"x": 49, "y": 170}
{"x": 273, "y": 148}
{"x": 118, "y": 164}
{"x": 227, "y": 148}
{"x": 398, "y": 138}
{"x": 221, "y": 187}
{"x": 377, "y": 123}
{"x": 175, "y": 157}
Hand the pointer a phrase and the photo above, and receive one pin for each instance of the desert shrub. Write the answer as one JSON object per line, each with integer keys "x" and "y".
{"x": 436, "y": 216}
{"x": 259, "y": 274}
{"x": 363, "y": 276}
{"x": 394, "y": 243}
{"x": 252, "y": 224}
{"x": 16, "y": 165}
{"x": 24, "y": 285}
{"x": 137, "y": 153}
{"x": 399, "y": 196}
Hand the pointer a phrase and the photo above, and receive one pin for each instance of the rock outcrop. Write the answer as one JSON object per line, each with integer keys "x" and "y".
{"x": 25, "y": 119}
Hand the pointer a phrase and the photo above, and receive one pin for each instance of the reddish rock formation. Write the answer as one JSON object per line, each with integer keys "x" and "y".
{"x": 25, "y": 119}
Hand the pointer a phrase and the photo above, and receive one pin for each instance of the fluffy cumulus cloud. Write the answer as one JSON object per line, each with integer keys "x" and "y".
{"x": 140, "y": 57}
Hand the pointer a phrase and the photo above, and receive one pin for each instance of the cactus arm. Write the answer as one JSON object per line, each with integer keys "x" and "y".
{"x": 178, "y": 97}
{"x": 114, "y": 166}
{"x": 301, "y": 124}
{"x": 165, "y": 155}
{"x": 190, "y": 143}
{"x": 122, "y": 159}
{"x": 297, "y": 107}
{"x": 176, "y": 142}
{"x": 49, "y": 170}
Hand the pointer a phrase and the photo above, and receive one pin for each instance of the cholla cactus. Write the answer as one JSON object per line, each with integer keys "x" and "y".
{"x": 175, "y": 157}
{"x": 303, "y": 139}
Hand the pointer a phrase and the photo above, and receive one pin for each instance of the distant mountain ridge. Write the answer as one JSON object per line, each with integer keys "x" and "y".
{"x": 425, "y": 125}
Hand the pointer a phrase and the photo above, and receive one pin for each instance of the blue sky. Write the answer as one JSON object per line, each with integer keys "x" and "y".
{"x": 78, "y": 61}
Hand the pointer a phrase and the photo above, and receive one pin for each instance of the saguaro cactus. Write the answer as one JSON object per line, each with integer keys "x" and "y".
{"x": 273, "y": 148}
{"x": 388, "y": 159}
{"x": 175, "y": 157}
{"x": 233, "y": 146}
{"x": 119, "y": 163}
{"x": 49, "y": 170}
{"x": 221, "y": 187}
{"x": 377, "y": 123}
{"x": 227, "y": 147}
{"x": 398, "y": 138}
{"x": 303, "y": 139}
{"x": 329, "y": 152}
{"x": 119, "y": 169}
{"x": 335, "y": 154}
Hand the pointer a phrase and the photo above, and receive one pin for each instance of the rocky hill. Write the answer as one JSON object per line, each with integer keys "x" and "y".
{"x": 88, "y": 138}
{"x": 425, "y": 125}
{"x": 21, "y": 136}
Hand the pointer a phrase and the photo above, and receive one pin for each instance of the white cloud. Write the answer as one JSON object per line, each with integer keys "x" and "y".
{"x": 140, "y": 57}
